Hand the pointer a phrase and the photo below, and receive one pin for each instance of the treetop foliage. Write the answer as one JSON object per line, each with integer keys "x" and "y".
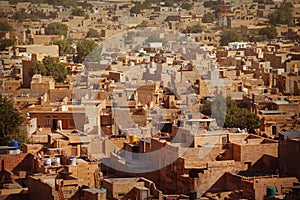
{"x": 56, "y": 28}
{"x": 50, "y": 67}
{"x": 197, "y": 28}
{"x": 5, "y": 26}
{"x": 283, "y": 15}
{"x": 6, "y": 43}
{"x": 231, "y": 35}
{"x": 64, "y": 46}
{"x": 78, "y": 12}
{"x": 269, "y": 32}
{"x": 263, "y": 34}
{"x": 10, "y": 121}
{"x": 22, "y": 16}
{"x": 214, "y": 5}
{"x": 92, "y": 33}
{"x": 186, "y": 6}
{"x": 208, "y": 18}
{"x": 228, "y": 114}
{"x": 84, "y": 48}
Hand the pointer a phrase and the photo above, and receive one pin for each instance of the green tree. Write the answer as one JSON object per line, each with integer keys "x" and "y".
{"x": 254, "y": 36}
{"x": 194, "y": 29}
{"x": 228, "y": 113}
{"x": 64, "y": 46}
{"x": 38, "y": 68}
{"x": 22, "y": 16}
{"x": 283, "y": 15}
{"x": 77, "y": 12}
{"x": 169, "y": 3}
{"x": 92, "y": 33}
{"x": 56, "y": 28}
{"x": 50, "y": 67}
{"x": 269, "y": 32}
{"x": 206, "y": 108}
{"x": 237, "y": 117}
{"x": 84, "y": 47}
{"x": 10, "y": 121}
{"x": 213, "y": 5}
{"x": 136, "y": 8}
{"x": 231, "y": 35}
{"x": 208, "y": 18}
{"x": 5, "y": 26}
{"x": 263, "y": 34}
{"x": 186, "y": 6}
{"x": 6, "y": 43}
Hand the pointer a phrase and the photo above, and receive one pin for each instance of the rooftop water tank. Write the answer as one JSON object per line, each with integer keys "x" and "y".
{"x": 103, "y": 190}
{"x": 14, "y": 143}
{"x": 133, "y": 139}
{"x": 56, "y": 161}
{"x": 271, "y": 191}
{"x": 47, "y": 161}
{"x": 73, "y": 161}
{"x": 193, "y": 195}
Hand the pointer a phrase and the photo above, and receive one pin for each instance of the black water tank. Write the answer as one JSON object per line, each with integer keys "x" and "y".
{"x": 193, "y": 195}
{"x": 180, "y": 123}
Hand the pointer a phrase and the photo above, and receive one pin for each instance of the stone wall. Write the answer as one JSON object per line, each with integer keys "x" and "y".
{"x": 16, "y": 162}
{"x": 91, "y": 195}
{"x": 117, "y": 188}
{"x": 58, "y": 94}
{"x": 252, "y": 153}
{"x": 289, "y": 159}
{"x": 213, "y": 178}
{"x": 256, "y": 188}
{"x": 39, "y": 190}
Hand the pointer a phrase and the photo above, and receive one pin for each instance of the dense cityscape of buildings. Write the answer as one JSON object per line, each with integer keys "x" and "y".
{"x": 150, "y": 99}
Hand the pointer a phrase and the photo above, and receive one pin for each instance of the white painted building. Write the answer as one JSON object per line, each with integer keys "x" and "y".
{"x": 237, "y": 45}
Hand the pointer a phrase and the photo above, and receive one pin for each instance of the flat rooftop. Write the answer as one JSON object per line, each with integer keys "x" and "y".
{"x": 293, "y": 135}
{"x": 122, "y": 180}
{"x": 95, "y": 190}
{"x": 271, "y": 112}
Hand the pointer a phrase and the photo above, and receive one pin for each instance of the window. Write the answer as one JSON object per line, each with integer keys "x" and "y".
{"x": 22, "y": 50}
{"x": 121, "y": 194}
{"x": 273, "y": 129}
